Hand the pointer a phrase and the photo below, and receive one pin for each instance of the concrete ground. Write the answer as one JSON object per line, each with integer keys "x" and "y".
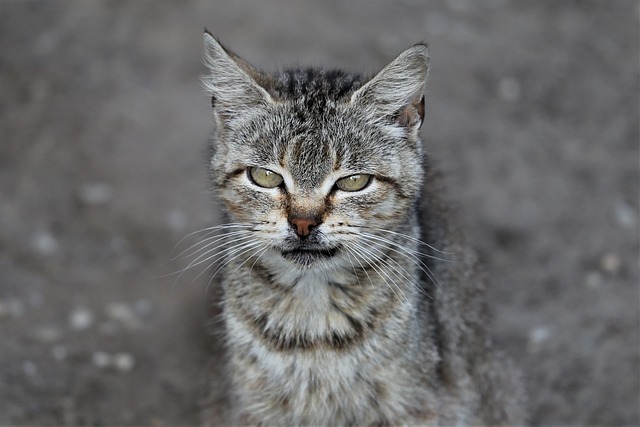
{"x": 533, "y": 111}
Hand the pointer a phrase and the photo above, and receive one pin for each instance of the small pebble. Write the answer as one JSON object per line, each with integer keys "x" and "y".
{"x": 143, "y": 307}
{"x": 109, "y": 328}
{"x": 47, "y": 334}
{"x": 59, "y": 352}
{"x": 118, "y": 310}
{"x": 537, "y": 336}
{"x": 625, "y": 215}
{"x": 12, "y": 307}
{"x": 81, "y": 319}
{"x": 124, "y": 362}
{"x": 509, "y": 89}
{"x": 44, "y": 243}
{"x": 610, "y": 263}
{"x": 101, "y": 359}
{"x": 97, "y": 193}
{"x": 30, "y": 369}
{"x": 594, "y": 280}
{"x": 122, "y": 313}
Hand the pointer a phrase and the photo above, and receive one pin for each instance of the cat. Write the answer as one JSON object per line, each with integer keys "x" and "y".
{"x": 335, "y": 310}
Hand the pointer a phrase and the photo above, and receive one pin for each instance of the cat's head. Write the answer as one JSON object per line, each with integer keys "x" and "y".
{"x": 306, "y": 159}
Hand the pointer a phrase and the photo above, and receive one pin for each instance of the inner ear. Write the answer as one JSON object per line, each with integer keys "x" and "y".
{"x": 412, "y": 114}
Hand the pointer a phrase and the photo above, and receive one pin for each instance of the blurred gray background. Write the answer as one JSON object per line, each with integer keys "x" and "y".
{"x": 532, "y": 111}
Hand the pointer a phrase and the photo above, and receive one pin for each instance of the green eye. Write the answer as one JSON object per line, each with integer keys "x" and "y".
{"x": 354, "y": 182}
{"x": 264, "y": 177}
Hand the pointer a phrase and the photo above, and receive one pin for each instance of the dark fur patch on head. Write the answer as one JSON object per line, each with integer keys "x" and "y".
{"x": 314, "y": 84}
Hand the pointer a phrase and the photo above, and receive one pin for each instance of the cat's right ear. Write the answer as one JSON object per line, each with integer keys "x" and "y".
{"x": 231, "y": 82}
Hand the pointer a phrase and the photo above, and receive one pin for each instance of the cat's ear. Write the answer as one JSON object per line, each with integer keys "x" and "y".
{"x": 397, "y": 92}
{"x": 232, "y": 82}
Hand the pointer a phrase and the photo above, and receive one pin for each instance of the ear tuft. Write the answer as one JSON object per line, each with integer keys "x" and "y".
{"x": 230, "y": 81}
{"x": 397, "y": 92}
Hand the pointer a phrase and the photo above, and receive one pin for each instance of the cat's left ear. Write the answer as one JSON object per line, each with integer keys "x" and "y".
{"x": 397, "y": 92}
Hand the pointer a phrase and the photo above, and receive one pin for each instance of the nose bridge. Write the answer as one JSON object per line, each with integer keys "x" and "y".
{"x": 309, "y": 159}
{"x": 306, "y": 205}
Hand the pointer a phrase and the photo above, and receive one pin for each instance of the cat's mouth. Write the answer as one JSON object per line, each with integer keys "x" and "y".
{"x": 307, "y": 256}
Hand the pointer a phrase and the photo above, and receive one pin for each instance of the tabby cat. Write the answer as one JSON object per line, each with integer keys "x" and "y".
{"x": 347, "y": 296}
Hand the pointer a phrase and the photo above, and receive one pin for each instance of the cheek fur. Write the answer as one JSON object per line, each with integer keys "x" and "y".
{"x": 381, "y": 207}
{"x": 247, "y": 204}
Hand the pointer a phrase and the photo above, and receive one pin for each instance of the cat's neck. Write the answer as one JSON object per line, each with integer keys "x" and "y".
{"x": 326, "y": 306}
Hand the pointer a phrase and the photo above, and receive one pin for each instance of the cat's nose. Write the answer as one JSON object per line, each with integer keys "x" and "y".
{"x": 303, "y": 226}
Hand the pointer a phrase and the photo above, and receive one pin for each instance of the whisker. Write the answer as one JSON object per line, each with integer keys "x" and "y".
{"x": 402, "y": 272}
{"x": 205, "y": 257}
{"x": 239, "y": 247}
{"x": 211, "y": 240}
{"x": 415, "y": 252}
{"x": 361, "y": 266}
{"x": 266, "y": 248}
{"x": 408, "y": 237}
{"x": 355, "y": 273}
{"x": 407, "y": 253}
{"x": 384, "y": 262}
{"x": 260, "y": 250}
{"x": 211, "y": 230}
{"x": 248, "y": 247}
{"x": 380, "y": 272}
{"x": 406, "y": 302}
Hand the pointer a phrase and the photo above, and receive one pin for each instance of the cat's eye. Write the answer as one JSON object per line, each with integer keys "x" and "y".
{"x": 264, "y": 177}
{"x": 354, "y": 182}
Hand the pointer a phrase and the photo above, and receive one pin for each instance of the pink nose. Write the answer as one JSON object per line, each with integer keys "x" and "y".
{"x": 303, "y": 226}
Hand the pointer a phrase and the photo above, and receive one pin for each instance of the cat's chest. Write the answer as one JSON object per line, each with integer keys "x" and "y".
{"x": 320, "y": 346}
{"x": 308, "y": 355}
{"x": 311, "y": 387}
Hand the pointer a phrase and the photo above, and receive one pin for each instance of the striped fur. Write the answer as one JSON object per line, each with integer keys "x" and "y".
{"x": 363, "y": 324}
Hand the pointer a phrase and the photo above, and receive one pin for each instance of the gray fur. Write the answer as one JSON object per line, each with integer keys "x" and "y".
{"x": 365, "y": 324}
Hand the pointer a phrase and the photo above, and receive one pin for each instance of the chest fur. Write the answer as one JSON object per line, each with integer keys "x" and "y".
{"x": 366, "y": 383}
{"x": 315, "y": 354}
